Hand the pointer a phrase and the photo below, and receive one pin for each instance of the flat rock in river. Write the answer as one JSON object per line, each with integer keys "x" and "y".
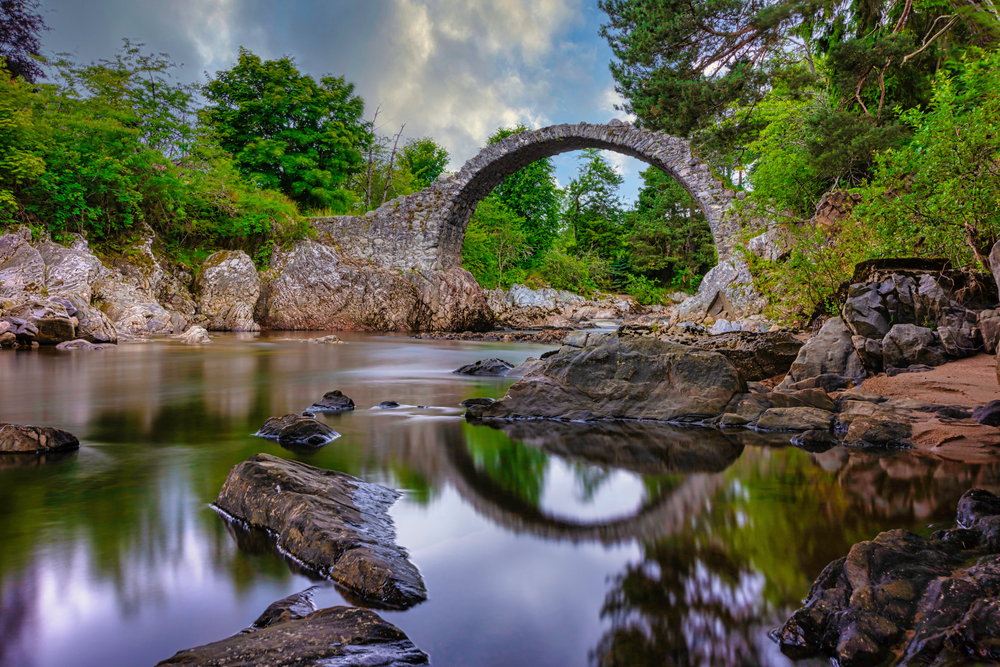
{"x": 623, "y": 377}
{"x": 333, "y": 523}
{"x": 19, "y": 439}
{"x": 336, "y": 637}
{"x": 297, "y": 430}
{"x": 485, "y": 367}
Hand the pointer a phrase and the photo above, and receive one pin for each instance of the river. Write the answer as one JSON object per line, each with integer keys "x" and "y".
{"x": 541, "y": 544}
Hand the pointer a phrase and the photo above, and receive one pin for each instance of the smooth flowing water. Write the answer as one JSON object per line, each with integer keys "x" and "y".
{"x": 540, "y": 544}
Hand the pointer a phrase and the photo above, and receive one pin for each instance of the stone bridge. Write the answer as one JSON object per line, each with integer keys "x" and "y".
{"x": 425, "y": 231}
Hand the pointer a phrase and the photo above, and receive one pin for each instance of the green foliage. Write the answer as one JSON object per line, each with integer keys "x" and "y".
{"x": 495, "y": 244}
{"x": 670, "y": 242}
{"x": 532, "y": 195}
{"x": 286, "y": 131}
{"x": 644, "y": 291}
{"x": 583, "y": 274}
{"x": 938, "y": 195}
{"x": 592, "y": 208}
{"x": 89, "y": 155}
{"x": 425, "y": 160}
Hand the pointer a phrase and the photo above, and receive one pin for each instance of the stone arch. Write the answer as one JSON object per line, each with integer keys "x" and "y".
{"x": 426, "y": 230}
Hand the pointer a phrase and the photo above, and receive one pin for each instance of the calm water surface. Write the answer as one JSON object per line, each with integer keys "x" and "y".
{"x": 540, "y": 544}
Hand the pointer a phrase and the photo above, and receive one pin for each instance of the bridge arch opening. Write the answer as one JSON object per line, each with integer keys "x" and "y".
{"x": 482, "y": 174}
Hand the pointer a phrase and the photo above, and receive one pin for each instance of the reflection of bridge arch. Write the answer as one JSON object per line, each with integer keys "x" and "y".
{"x": 426, "y": 230}
{"x": 660, "y": 518}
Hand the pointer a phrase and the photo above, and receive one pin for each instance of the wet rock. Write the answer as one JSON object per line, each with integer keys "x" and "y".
{"x": 7, "y": 339}
{"x": 875, "y": 431}
{"x": 333, "y": 401}
{"x": 815, "y": 441}
{"x": 907, "y": 344}
{"x": 905, "y": 596}
{"x": 325, "y": 340}
{"x": 803, "y": 398}
{"x": 194, "y": 336}
{"x": 338, "y": 636}
{"x": 757, "y": 355}
{"x": 20, "y": 439}
{"x": 333, "y": 523}
{"x": 828, "y": 352}
{"x": 291, "y": 608}
{"x": 388, "y": 405}
{"x": 746, "y": 409}
{"x": 485, "y": 367}
{"x": 50, "y": 319}
{"x": 795, "y": 419}
{"x": 297, "y": 430}
{"x": 228, "y": 288}
{"x": 476, "y": 401}
{"x": 988, "y": 414}
{"x": 530, "y": 364}
{"x": 624, "y": 377}
{"x": 78, "y": 345}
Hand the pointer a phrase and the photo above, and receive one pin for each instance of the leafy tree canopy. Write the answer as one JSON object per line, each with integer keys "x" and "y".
{"x": 532, "y": 195}
{"x": 20, "y": 48}
{"x": 425, "y": 160}
{"x": 287, "y": 131}
{"x": 592, "y": 207}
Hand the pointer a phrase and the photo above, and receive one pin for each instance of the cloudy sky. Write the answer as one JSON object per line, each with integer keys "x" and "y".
{"x": 454, "y": 70}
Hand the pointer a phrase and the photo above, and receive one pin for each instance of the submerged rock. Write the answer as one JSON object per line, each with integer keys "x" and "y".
{"x": 297, "y": 430}
{"x": 333, "y": 523}
{"x": 335, "y": 637}
{"x": 388, "y": 405}
{"x": 623, "y": 377}
{"x": 333, "y": 401}
{"x": 477, "y": 401}
{"x": 20, "y": 439}
{"x": 194, "y": 336}
{"x": 79, "y": 344}
{"x": 908, "y": 600}
{"x": 485, "y": 367}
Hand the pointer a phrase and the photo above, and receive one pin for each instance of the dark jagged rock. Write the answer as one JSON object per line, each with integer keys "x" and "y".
{"x": 816, "y": 441}
{"x": 485, "y": 367}
{"x": 19, "y": 439}
{"x": 908, "y": 344}
{"x": 388, "y": 405}
{"x": 333, "y": 523}
{"x": 332, "y": 401}
{"x": 338, "y": 636}
{"x": 291, "y": 608}
{"x": 477, "y": 401}
{"x": 930, "y": 601}
{"x": 988, "y": 414}
{"x": 876, "y": 431}
{"x": 297, "y": 430}
{"x": 623, "y": 377}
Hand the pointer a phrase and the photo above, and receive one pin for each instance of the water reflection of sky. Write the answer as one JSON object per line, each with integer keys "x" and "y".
{"x": 539, "y": 544}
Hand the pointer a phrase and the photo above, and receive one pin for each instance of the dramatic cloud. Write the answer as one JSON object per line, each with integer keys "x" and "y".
{"x": 454, "y": 70}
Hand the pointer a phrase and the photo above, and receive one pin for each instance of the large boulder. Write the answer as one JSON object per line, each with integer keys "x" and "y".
{"x": 228, "y": 288}
{"x": 282, "y": 637}
{"x": 70, "y": 271}
{"x": 22, "y": 269}
{"x": 726, "y": 291}
{"x": 332, "y": 523}
{"x": 20, "y": 439}
{"x": 194, "y": 336}
{"x": 92, "y": 325}
{"x": 830, "y": 352}
{"x": 907, "y": 344}
{"x": 757, "y": 355}
{"x": 623, "y": 377}
{"x": 311, "y": 287}
{"x": 795, "y": 419}
{"x": 49, "y": 317}
{"x": 908, "y": 600}
{"x": 23, "y": 331}
{"x": 332, "y": 401}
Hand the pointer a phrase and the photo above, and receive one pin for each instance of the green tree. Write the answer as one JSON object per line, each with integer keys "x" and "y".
{"x": 495, "y": 244}
{"x": 425, "y": 160}
{"x": 592, "y": 208}
{"x": 286, "y": 131}
{"x": 669, "y": 240}
{"x": 532, "y": 195}
{"x": 19, "y": 163}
